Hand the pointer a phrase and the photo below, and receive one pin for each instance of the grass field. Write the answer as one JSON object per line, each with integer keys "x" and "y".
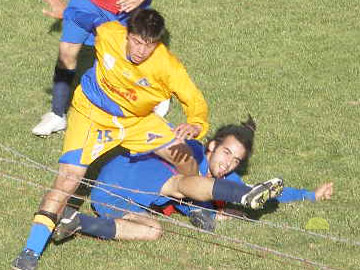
{"x": 294, "y": 65}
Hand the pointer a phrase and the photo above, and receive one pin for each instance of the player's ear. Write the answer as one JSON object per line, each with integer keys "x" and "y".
{"x": 212, "y": 146}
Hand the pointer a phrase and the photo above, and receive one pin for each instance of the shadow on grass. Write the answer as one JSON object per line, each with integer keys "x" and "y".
{"x": 269, "y": 208}
{"x": 56, "y": 27}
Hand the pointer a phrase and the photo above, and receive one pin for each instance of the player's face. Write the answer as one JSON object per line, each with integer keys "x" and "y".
{"x": 225, "y": 157}
{"x": 138, "y": 49}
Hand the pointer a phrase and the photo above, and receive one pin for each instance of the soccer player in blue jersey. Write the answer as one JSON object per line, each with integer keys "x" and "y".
{"x": 71, "y": 41}
{"x": 122, "y": 211}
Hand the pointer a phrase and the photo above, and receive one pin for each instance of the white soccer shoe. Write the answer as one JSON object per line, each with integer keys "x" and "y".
{"x": 50, "y": 122}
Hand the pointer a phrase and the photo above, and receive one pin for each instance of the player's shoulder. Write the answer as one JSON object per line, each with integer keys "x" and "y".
{"x": 111, "y": 28}
{"x": 164, "y": 56}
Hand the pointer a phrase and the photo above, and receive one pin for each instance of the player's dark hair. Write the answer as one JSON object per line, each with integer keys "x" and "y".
{"x": 244, "y": 133}
{"x": 147, "y": 23}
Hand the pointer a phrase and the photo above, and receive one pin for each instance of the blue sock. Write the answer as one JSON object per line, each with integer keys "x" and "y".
{"x": 97, "y": 226}
{"x": 225, "y": 190}
{"x": 62, "y": 90}
{"x": 39, "y": 236}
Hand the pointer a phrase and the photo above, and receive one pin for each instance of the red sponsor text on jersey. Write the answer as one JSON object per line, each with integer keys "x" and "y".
{"x": 128, "y": 94}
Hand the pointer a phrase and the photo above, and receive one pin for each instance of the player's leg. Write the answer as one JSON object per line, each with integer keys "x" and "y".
{"x": 138, "y": 227}
{"x": 206, "y": 189}
{"x": 126, "y": 226}
{"x": 67, "y": 181}
{"x": 63, "y": 76}
{"x": 73, "y": 36}
{"x": 71, "y": 171}
{"x": 45, "y": 219}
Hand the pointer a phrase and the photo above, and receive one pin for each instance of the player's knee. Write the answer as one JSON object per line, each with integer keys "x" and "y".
{"x": 69, "y": 177}
{"x": 67, "y": 61}
{"x": 151, "y": 231}
{"x": 68, "y": 56}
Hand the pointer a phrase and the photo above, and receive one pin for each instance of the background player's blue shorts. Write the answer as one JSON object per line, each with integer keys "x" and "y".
{"x": 74, "y": 31}
{"x": 138, "y": 173}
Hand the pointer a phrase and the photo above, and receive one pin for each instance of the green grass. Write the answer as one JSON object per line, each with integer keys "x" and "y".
{"x": 294, "y": 65}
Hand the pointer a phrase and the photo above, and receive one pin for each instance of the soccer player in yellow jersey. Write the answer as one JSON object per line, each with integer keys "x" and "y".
{"x": 113, "y": 106}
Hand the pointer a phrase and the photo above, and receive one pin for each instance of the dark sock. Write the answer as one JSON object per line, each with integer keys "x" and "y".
{"x": 97, "y": 226}
{"x": 62, "y": 90}
{"x": 229, "y": 191}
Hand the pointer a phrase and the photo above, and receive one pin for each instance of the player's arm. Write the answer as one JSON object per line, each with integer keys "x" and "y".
{"x": 322, "y": 192}
{"x": 291, "y": 194}
{"x": 191, "y": 99}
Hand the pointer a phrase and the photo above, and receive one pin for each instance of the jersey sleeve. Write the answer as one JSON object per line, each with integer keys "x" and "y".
{"x": 291, "y": 194}
{"x": 192, "y": 100}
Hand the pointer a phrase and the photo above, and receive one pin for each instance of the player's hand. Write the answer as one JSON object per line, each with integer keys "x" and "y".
{"x": 128, "y": 5}
{"x": 180, "y": 153}
{"x": 57, "y": 8}
{"x": 187, "y": 131}
{"x": 324, "y": 191}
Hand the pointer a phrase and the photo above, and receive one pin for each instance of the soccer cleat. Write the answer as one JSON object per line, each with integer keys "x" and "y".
{"x": 68, "y": 225}
{"x": 262, "y": 192}
{"x": 202, "y": 219}
{"x": 50, "y": 122}
{"x": 27, "y": 260}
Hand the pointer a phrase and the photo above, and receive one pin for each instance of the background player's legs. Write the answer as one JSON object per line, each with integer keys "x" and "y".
{"x": 63, "y": 77}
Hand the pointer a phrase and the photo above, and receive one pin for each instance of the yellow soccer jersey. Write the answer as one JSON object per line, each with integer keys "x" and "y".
{"x": 137, "y": 89}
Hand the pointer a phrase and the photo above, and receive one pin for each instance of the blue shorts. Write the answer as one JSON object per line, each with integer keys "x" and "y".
{"x": 144, "y": 173}
{"x": 91, "y": 15}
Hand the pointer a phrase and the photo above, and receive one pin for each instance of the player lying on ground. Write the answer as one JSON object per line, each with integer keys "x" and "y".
{"x": 114, "y": 106}
{"x": 230, "y": 146}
